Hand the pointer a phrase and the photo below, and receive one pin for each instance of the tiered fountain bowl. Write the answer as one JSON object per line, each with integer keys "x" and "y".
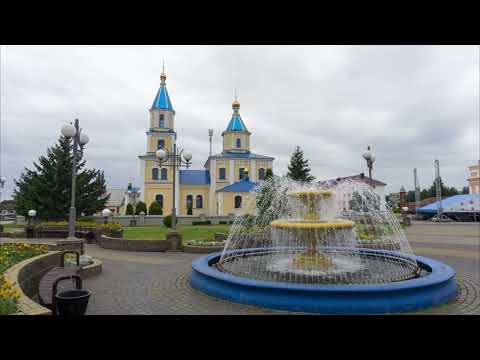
{"x": 307, "y": 263}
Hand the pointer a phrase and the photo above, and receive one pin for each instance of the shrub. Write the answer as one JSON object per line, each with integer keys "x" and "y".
{"x": 129, "y": 209}
{"x": 155, "y": 209}
{"x": 86, "y": 218}
{"x": 222, "y": 222}
{"x": 397, "y": 211}
{"x": 167, "y": 221}
{"x": 61, "y": 225}
{"x": 206, "y": 222}
{"x": 141, "y": 206}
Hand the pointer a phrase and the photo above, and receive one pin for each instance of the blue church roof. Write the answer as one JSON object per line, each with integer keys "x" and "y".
{"x": 236, "y": 124}
{"x": 455, "y": 203}
{"x": 162, "y": 101}
{"x": 241, "y": 186}
{"x": 194, "y": 177}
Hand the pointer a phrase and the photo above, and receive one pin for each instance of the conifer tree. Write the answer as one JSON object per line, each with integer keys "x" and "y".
{"x": 129, "y": 210}
{"x": 155, "y": 209}
{"x": 47, "y": 188}
{"x": 298, "y": 169}
{"x": 141, "y": 206}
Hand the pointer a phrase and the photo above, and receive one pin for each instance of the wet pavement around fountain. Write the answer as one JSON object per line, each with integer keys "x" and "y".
{"x": 157, "y": 283}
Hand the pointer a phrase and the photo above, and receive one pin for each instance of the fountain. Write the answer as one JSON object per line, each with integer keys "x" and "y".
{"x": 322, "y": 250}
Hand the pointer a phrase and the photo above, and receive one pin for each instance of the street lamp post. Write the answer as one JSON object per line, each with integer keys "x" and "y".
{"x": 79, "y": 141}
{"x": 370, "y": 157}
{"x": 3, "y": 180}
{"x": 174, "y": 160}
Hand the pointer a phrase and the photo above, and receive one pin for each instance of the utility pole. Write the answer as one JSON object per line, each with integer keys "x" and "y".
{"x": 210, "y": 134}
{"x": 438, "y": 188}
{"x": 417, "y": 189}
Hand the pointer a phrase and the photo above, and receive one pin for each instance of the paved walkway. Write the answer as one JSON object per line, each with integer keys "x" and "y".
{"x": 157, "y": 283}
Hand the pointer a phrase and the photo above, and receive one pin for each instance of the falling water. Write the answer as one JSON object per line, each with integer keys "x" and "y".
{"x": 304, "y": 233}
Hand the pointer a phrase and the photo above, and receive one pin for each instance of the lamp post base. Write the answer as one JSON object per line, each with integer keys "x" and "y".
{"x": 175, "y": 240}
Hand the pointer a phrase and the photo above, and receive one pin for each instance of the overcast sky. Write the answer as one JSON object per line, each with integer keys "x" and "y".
{"x": 411, "y": 103}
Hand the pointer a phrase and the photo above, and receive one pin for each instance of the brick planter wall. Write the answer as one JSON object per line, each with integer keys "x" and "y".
{"x": 107, "y": 242}
{"x": 26, "y": 275}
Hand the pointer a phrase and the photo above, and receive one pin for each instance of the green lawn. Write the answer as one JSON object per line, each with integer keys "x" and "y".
{"x": 189, "y": 232}
{"x": 13, "y": 228}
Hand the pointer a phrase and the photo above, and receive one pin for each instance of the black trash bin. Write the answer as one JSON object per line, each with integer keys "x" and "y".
{"x": 72, "y": 302}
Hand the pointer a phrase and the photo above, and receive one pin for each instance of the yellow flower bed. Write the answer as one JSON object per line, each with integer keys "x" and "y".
{"x": 10, "y": 254}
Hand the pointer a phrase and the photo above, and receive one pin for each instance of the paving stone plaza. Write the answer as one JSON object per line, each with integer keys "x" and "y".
{"x": 144, "y": 283}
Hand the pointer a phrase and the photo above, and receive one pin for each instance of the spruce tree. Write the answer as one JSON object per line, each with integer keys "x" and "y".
{"x": 268, "y": 174}
{"x": 47, "y": 188}
{"x": 298, "y": 169}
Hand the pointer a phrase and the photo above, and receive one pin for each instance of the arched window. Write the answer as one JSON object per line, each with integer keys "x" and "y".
{"x": 159, "y": 199}
{"x": 154, "y": 174}
{"x": 238, "y": 202}
{"x": 261, "y": 174}
{"x": 239, "y": 143}
{"x": 189, "y": 204}
{"x": 199, "y": 202}
{"x": 161, "y": 121}
{"x": 160, "y": 144}
{"x": 164, "y": 173}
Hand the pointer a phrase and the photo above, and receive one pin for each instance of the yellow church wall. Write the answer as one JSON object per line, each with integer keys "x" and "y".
{"x": 152, "y": 142}
{"x": 229, "y": 141}
{"x": 241, "y": 164}
{"x": 194, "y": 190}
{"x": 228, "y": 203}
{"x": 222, "y": 164}
{"x": 149, "y": 165}
{"x": 152, "y": 190}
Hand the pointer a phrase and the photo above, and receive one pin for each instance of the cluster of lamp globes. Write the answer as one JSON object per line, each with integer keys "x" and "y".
{"x": 369, "y": 155}
{"x": 68, "y": 130}
{"x": 162, "y": 155}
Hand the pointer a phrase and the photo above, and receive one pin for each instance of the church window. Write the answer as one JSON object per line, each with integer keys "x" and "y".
{"x": 155, "y": 174}
{"x": 161, "y": 121}
{"x": 241, "y": 173}
{"x": 239, "y": 143}
{"x": 261, "y": 174}
{"x": 199, "y": 201}
{"x": 159, "y": 200}
{"x": 160, "y": 144}
{"x": 189, "y": 204}
{"x": 238, "y": 202}
{"x": 164, "y": 174}
{"x": 222, "y": 173}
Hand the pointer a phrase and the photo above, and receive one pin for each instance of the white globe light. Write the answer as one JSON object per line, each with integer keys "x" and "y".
{"x": 372, "y": 157}
{"x": 68, "y": 130}
{"x": 161, "y": 154}
{"x": 405, "y": 208}
{"x": 367, "y": 155}
{"x": 3, "y": 179}
{"x": 83, "y": 139}
{"x": 187, "y": 155}
{"x": 106, "y": 212}
{"x": 32, "y": 213}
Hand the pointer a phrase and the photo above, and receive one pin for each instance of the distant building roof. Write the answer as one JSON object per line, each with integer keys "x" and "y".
{"x": 455, "y": 203}
{"x": 117, "y": 197}
{"x": 360, "y": 177}
{"x": 194, "y": 177}
{"x": 241, "y": 186}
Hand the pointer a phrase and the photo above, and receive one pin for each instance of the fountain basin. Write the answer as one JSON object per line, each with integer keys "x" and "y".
{"x": 436, "y": 288}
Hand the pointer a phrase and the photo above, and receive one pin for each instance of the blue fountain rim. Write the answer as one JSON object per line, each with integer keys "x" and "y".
{"x": 438, "y": 273}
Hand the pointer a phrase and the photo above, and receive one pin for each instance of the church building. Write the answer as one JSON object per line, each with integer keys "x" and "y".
{"x": 225, "y": 184}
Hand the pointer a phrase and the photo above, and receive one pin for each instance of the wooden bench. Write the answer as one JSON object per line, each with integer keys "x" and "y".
{"x": 59, "y": 279}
